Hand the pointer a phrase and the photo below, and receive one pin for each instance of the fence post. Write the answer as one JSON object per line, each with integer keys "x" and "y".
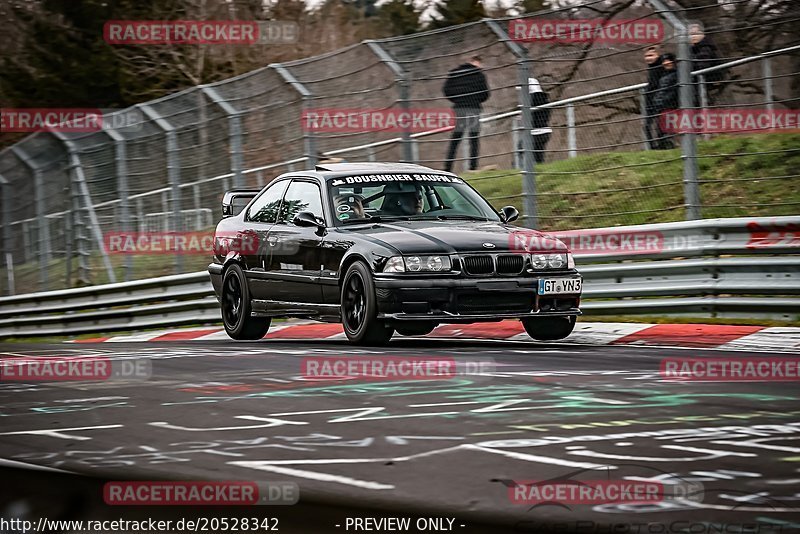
{"x": 42, "y": 224}
{"x": 404, "y": 88}
{"x": 572, "y": 142}
{"x": 766, "y": 69}
{"x": 173, "y": 172}
{"x": 530, "y": 215}
{"x": 701, "y": 80}
{"x": 309, "y": 142}
{"x": 81, "y": 191}
{"x": 121, "y": 167}
{"x": 691, "y": 191}
{"x": 5, "y": 218}
{"x": 688, "y": 140}
{"x": 645, "y": 117}
{"x": 234, "y": 132}
{"x": 78, "y": 228}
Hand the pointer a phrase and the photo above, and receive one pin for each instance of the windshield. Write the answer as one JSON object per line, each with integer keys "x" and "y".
{"x": 406, "y": 197}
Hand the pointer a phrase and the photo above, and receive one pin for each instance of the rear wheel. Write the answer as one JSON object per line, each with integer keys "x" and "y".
{"x": 416, "y": 328}
{"x": 236, "y": 308}
{"x": 359, "y": 308}
{"x": 549, "y": 328}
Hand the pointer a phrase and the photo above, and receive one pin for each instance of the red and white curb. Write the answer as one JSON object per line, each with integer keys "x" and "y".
{"x": 728, "y": 337}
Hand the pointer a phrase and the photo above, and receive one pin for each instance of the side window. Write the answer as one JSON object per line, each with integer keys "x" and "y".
{"x": 301, "y": 196}
{"x": 265, "y": 208}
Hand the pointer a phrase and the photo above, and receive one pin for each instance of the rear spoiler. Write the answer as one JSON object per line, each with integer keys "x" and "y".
{"x": 235, "y": 201}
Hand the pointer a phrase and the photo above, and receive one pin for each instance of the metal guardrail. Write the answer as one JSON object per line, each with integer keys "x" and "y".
{"x": 743, "y": 267}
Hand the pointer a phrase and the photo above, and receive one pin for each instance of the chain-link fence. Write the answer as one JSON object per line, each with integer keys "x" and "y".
{"x": 585, "y": 155}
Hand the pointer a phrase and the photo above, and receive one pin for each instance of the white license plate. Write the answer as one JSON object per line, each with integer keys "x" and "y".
{"x": 560, "y": 286}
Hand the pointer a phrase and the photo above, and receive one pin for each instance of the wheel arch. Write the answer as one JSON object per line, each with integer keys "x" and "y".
{"x": 350, "y": 260}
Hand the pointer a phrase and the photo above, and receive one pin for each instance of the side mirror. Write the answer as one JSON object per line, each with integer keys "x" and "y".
{"x": 306, "y": 218}
{"x": 236, "y": 200}
{"x": 509, "y": 214}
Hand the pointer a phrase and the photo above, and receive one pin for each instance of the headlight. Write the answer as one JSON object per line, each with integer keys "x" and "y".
{"x": 539, "y": 261}
{"x": 552, "y": 261}
{"x": 556, "y": 261}
{"x": 395, "y": 265}
{"x": 416, "y": 264}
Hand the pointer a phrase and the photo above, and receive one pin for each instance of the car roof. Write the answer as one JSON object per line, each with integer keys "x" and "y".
{"x": 370, "y": 167}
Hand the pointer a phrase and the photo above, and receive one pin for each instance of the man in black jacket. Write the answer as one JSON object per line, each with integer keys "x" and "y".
{"x": 467, "y": 89}
{"x": 666, "y": 98}
{"x": 705, "y": 55}
{"x": 655, "y": 70}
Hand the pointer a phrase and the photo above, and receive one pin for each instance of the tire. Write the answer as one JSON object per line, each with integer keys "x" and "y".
{"x": 415, "y": 328}
{"x": 359, "y": 308}
{"x": 549, "y": 328}
{"x": 236, "y": 307}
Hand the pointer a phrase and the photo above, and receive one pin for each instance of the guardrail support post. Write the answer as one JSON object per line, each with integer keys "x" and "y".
{"x": 530, "y": 215}
{"x": 234, "y": 132}
{"x": 42, "y": 223}
{"x": 572, "y": 142}
{"x": 173, "y": 172}
{"x": 5, "y": 193}
{"x": 404, "y": 89}
{"x": 309, "y": 142}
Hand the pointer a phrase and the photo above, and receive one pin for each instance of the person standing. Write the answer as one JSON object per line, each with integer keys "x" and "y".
{"x": 666, "y": 98}
{"x": 655, "y": 70}
{"x": 705, "y": 54}
{"x": 467, "y": 89}
{"x": 540, "y": 120}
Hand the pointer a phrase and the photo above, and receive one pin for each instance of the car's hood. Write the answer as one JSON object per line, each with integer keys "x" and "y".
{"x": 449, "y": 237}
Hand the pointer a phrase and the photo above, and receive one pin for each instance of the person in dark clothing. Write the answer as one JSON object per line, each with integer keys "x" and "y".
{"x": 666, "y": 98}
{"x": 705, "y": 55}
{"x": 655, "y": 70}
{"x": 540, "y": 120}
{"x": 467, "y": 89}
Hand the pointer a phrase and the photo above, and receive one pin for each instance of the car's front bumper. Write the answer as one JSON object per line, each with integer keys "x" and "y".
{"x": 466, "y": 299}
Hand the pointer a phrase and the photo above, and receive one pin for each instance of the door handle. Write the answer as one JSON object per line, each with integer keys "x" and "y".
{"x": 272, "y": 240}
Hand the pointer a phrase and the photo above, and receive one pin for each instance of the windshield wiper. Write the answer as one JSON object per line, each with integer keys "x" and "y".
{"x": 458, "y": 217}
{"x": 369, "y": 219}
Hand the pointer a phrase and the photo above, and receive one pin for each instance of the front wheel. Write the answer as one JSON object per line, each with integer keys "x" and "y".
{"x": 360, "y": 309}
{"x": 236, "y": 308}
{"x": 549, "y": 328}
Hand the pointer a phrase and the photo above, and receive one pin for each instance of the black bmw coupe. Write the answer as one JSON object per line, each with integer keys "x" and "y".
{"x": 385, "y": 248}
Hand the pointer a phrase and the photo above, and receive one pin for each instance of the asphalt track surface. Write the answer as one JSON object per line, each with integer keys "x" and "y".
{"x": 443, "y": 448}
